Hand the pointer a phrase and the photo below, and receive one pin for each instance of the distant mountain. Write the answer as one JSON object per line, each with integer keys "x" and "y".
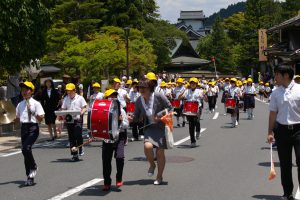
{"x": 224, "y": 13}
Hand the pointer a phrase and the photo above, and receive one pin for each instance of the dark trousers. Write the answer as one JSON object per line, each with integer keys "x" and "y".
{"x": 194, "y": 122}
{"x": 287, "y": 139}
{"x": 29, "y": 134}
{"x": 211, "y": 102}
{"x": 107, "y": 153}
{"x": 136, "y": 131}
{"x": 75, "y": 135}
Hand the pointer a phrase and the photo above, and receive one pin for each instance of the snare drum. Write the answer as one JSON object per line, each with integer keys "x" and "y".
{"x": 190, "y": 108}
{"x": 130, "y": 107}
{"x": 105, "y": 122}
{"x": 175, "y": 103}
{"x": 230, "y": 103}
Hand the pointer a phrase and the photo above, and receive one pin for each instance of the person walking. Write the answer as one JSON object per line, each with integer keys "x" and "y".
{"x": 150, "y": 107}
{"x": 284, "y": 125}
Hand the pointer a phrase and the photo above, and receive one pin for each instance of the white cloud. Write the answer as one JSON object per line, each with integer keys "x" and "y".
{"x": 170, "y": 9}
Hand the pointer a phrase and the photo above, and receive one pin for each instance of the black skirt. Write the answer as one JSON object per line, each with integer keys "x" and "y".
{"x": 50, "y": 118}
{"x": 249, "y": 101}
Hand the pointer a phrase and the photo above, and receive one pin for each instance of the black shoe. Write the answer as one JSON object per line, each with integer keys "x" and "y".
{"x": 183, "y": 124}
{"x": 75, "y": 158}
{"x": 29, "y": 182}
{"x": 287, "y": 197}
{"x": 178, "y": 125}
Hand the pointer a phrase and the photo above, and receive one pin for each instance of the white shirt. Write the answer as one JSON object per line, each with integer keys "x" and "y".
{"x": 235, "y": 92}
{"x": 178, "y": 90}
{"x": 36, "y": 109}
{"x": 133, "y": 95}
{"x": 226, "y": 87}
{"x": 49, "y": 92}
{"x": 250, "y": 89}
{"x": 193, "y": 95}
{"x": 286, "y": 102}
{"x": 268, "y": 89}
{"x": 121, "y": 98}
{"x": 98, "y": 95}
{"x": 211, "y": 91}
{"x": 77, "y": 103}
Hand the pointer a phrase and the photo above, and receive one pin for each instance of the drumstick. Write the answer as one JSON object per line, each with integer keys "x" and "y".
{"x": 146, "y": 126}
{"x": 74, "y": 149}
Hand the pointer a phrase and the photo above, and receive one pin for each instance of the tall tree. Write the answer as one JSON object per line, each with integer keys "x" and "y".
{"x": 23, "y": 26}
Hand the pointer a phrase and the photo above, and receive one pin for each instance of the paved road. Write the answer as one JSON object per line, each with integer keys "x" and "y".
{"x": 228, "y": 163}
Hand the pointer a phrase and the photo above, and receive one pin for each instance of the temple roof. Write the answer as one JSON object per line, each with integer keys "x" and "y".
{"x": 184, "y": 60}
{"x": 295, "y": 21}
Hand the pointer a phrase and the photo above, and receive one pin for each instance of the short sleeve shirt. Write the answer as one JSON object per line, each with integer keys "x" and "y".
{"x": 191, "y": 95}
{"x": 286, "y": 102}
{"x": 77, "y": 103}
{"x": 121, "y": 94}
{"x": 35, "y": 107}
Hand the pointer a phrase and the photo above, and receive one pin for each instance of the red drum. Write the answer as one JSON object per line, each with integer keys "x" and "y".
{"x": 175, "y": 103}
{"x": 190, "y": 108}
{"x": 105, "y": 119}
{"x": 130, "y": 107}
{"x": 230, "y": 103}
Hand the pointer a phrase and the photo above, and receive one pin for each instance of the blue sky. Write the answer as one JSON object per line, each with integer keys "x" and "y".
{"x": 170, "y": 9}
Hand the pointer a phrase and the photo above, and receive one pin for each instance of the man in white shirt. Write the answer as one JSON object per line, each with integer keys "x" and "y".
{"x": 73, "y": 101}
{"x": 284, "y": 124}
{"x": 30, "y": 113}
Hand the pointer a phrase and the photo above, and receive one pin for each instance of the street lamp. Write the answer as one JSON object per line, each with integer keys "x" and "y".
{"x": 126, "y": 32}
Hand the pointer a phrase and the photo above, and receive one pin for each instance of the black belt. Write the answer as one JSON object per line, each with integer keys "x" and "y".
{"x": 291, "y": 126}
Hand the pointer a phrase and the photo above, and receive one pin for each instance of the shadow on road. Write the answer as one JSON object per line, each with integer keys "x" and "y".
{"x": 267, "y": 197}
{"x": 143, "y": 182}
{"x": 64, "y": 160}
{"x": 186, "y": 146}
{"x": 97, "y": 191}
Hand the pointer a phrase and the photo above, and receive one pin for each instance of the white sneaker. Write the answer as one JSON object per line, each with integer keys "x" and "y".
{"x": 224, "y": 114}
{"x": 32, "y": 173}
{"x": 142, "y": 136}
{"x": 236, "y": 123}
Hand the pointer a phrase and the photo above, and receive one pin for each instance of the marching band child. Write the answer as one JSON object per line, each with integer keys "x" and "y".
{"x": 261, "y": 90}
{"x": 73, "y": 101}
{"x": 117, "y": 147}
{"x": 193, "y": 94}
{"x": 133, "y": 95}
{"x": 235, "y": 93}
{"x": 30, "y": 113}
{"x": 176, "y": 93}
{"x": 249, "y": 94}
{"x": 211, "y": 96}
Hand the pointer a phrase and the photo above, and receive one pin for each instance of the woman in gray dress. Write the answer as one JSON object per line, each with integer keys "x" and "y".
{"x": 149, "y": 108}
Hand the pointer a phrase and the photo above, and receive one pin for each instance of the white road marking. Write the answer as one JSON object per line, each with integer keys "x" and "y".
{"x": 187, "y": 138}
{"x": 297, "y": 196}
{"x": 76, "y": 189}
{"x": 10, "y": 154}
{"x": 263, "y": 101}
{"x": 216, "y": 115}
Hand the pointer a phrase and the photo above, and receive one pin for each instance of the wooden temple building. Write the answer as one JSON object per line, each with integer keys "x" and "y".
{"x": 287, "y": 48}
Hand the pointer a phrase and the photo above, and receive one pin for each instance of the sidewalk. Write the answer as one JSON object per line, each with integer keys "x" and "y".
{"x": 12, "y": 140}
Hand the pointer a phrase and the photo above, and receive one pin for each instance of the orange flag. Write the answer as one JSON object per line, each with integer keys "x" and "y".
{"x": 272, "y": 173}
{"x": 168, "y": 120}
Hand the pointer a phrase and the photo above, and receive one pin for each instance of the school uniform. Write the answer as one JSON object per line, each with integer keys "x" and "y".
{"x": 49, "y": 101}
{"x": 26, "y": 111}
{"x": 235, "y": 93}
{"x": 133, "y": 96}
{"x": 211, "y": 96}
{"x": 176, "y": 93}
{"x": 286, "y": 103}
{"x": 249, "y": 100}
{"x": 75, "y": 128}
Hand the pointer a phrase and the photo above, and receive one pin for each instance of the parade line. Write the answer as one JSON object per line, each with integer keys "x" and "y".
{"x": 76, "y": 189}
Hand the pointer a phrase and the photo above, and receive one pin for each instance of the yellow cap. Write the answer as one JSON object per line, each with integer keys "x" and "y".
{"x": 239, "y": 83}
{"x": 170, "y": 83}
{"x": 129, "y": 82}
{"x": 245, "y": 82}
{"x": 70, "y": 86}
{"x": 186, "y": 85}
{"x": 180, "y": 80}
{"x": 193, "y": 79}
{"x": 135, "y": 81}
{"x": 267, "y": 84}
{"x": 117, "y": 80}
{"x": 233, "y": 79}
{"x": 151, "y": 76}
{"x": 261, "y": 82}
{"x": 250, "y": 80}
{"x": 163, "y": 84}
{"x": 96, "y": 85}
{"x": 210, "y": 83}
{"x": 109, "y": 92}
{"x": 297, "y": 76}
{"x": 27, "y": 84}
{"x": 227, "y": 79}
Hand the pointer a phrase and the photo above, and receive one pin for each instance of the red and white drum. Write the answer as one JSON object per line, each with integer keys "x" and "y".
{"x": 230, "y": 103}
{"x": 190, "y": 108}
{"x": 175, "y": 103}
{"x": 130, "y": 107}
{"x": 105, "y": 119}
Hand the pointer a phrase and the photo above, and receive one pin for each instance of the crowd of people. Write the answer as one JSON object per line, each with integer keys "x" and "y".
{"x": 152, "y": 96}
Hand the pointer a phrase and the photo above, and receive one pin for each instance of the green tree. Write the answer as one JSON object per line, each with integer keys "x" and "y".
{"x": 291, "y": 8}
{"x": 23, "y": 26}
{"x": 217, "y": 45}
